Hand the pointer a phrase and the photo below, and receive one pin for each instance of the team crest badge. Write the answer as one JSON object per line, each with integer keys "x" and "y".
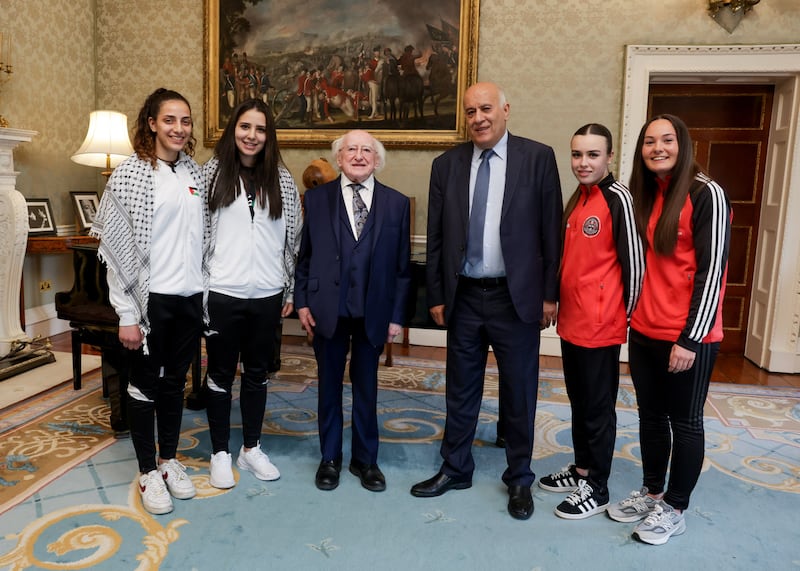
{"x": 591, "y": 227}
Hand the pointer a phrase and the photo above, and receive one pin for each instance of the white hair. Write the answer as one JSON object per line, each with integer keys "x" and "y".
{"x": 380, "y": 150}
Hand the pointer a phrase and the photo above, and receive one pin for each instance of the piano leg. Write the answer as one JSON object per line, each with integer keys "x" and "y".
{"x": 76, "y": 359}
{"x": 116, "y": 369}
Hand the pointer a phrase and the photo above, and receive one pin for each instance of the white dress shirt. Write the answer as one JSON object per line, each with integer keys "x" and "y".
{"x": 493, "y": 264}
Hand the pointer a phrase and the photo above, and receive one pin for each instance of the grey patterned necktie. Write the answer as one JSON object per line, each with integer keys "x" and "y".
{"x": 477, "y": 218}
{"x": 360, "y": 211}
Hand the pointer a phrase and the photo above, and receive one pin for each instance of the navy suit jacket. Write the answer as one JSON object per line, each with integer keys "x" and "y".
{"x": 318, "y": 272}
{"x": 530, "y": 225}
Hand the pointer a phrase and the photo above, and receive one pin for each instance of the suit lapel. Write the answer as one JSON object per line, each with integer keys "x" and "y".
{"x": 335, "y": 208}
{"x": 376, "y": 213}
{"x": 462, "y": 187}
{"x": 513, "y": 162}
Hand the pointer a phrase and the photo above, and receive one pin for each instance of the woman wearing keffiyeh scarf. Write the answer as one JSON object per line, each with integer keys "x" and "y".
{"x": 256, "y": 223}
{"x": 153, "y": 229}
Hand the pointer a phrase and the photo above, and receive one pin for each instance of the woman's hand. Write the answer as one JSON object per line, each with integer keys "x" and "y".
{"x": 130, "y": 336}
{"x": 680, "y": 359}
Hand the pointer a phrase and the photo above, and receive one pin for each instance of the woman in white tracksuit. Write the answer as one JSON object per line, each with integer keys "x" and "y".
{"x": 153, "y": 229}
{"x": 256, "y": 222}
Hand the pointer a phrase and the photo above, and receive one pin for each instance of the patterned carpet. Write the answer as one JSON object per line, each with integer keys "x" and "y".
{"x": 91, "y": 516}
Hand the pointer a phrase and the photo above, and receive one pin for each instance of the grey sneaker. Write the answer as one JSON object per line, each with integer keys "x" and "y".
{"x": 564, "y": 481}
{"x": 633, "y": 508}
{"x": 583, "y": 502}
{"x": 662, "y": 523}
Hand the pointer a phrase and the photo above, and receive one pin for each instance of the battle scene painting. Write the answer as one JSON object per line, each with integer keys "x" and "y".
{"x": 394, "y": 67}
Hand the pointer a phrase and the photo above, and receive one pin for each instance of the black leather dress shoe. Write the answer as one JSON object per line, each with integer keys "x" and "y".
{"x": 328, "y": 474}
{"x": 438, "y": 485}
{"x": 500, "y": 441}
{"x": 520, "y": 502}
{"x": 370, "y": 475}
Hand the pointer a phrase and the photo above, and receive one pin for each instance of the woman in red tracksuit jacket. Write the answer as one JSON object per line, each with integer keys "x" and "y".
{"x": 601, "y": 274}
{"x": 684, "y": 219}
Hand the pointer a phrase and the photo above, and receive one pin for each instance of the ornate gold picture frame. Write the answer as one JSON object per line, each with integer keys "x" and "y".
{"x": 395, "y": 68}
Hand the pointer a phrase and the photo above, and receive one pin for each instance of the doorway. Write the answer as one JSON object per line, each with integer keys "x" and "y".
{"x": 773, "y": 338}
{"x": 730, "y": 127}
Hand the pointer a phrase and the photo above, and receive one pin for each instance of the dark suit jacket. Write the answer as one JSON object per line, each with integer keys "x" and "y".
{"x": 530, "y": 225}
{"x": 318, "y": 272}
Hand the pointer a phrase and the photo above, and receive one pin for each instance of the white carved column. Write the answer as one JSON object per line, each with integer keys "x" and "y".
{"x": 13, "y": 239}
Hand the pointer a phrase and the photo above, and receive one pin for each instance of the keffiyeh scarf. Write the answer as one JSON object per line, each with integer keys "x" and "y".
{"x": 124, "y": 226}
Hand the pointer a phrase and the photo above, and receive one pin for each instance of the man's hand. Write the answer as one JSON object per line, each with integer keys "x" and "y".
{"x": 130, "y": 336}
{"x": 549, "y": 314}
{"x": 437, "y": 313}
{"x": 287, "y": 310}
{"x": 394, "y": 331}
{"x": 307, "y": 321}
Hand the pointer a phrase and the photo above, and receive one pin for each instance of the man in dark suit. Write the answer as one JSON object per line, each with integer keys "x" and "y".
{"x": 494, "y": 216}
{"x": 351, "y": 285}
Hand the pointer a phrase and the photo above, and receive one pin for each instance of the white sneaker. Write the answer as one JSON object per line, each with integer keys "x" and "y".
{"x": 178, "y": 483}
{"x": 221, "y": 473}
{"x": 258, "y": 463}
{"x": 155, "y": 497}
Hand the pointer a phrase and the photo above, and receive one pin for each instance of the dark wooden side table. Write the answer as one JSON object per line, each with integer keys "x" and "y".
{"x": 38, "y": 245}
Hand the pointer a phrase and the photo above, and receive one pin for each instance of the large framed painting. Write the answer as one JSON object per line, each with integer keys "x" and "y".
{"x": 393, "y": 67}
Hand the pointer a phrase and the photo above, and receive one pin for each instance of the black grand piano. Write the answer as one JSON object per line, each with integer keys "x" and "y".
{"x": 94, "y": 322}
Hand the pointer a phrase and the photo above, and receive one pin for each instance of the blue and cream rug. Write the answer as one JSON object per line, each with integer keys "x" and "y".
{"x": 743, "y": 513}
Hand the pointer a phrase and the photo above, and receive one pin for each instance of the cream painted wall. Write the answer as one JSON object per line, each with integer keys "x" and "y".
{"x": 51, "y": 91}
{"x": 560, "y": 62}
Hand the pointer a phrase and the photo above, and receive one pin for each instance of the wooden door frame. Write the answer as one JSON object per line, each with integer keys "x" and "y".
{"x": 772, "y": 327}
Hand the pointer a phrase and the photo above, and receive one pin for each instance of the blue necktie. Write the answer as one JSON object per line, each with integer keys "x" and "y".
{"x": 477, "y": 218}
{"x": 360, "y": 211}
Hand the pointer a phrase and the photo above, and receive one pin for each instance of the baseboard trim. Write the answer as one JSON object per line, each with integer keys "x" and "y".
{"x": 42, "y": 321}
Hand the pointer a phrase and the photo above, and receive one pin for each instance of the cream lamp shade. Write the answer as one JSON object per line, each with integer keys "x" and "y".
{"x": 107, "y": 143}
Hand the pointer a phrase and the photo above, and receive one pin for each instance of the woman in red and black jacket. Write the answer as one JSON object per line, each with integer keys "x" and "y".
{"x": 684, "y": 218}
{"x": 601, "y": 275}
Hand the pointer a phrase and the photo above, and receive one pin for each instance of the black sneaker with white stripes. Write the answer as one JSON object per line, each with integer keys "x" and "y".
{"x": 583, "y": 502}
{"x": 564, "y": 481}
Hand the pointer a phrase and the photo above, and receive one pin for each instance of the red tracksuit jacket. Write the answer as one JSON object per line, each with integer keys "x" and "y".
{"x": 682, "y": 293}
{"x": 601, "y": 267}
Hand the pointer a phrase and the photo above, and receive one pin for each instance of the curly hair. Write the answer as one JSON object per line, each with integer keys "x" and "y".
{"x": 144, "y": 139}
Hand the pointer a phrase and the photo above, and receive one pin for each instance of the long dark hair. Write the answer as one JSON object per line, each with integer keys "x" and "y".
{"x": 144, "y": 139}
{"x": 588, "y": 129}
{"x": 225, "y": 184}
{"x": 643, "y": 187}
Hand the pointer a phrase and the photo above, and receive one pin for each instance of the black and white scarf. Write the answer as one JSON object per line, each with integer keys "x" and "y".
{"x": 124, "y": 225}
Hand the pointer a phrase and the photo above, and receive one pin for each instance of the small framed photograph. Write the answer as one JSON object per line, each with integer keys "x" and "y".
{"x": 85, "y": 204}
{"x": 40, "y": 217}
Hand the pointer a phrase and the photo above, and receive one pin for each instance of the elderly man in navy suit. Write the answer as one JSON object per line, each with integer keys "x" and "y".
{"x": 494, "y": 218}
{"x": 351, "y": 285}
